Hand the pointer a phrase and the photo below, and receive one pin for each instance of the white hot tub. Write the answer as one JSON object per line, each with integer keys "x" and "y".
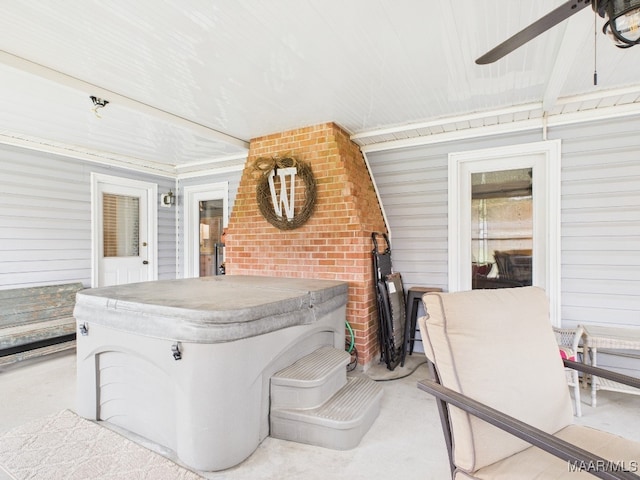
{"x": 186, "y": 363}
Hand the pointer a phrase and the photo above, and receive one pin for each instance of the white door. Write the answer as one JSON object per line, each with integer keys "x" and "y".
{"x": 124, "y": 239}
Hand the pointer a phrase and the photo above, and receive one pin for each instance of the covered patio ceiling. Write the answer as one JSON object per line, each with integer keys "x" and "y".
{"x": 191, "y": 82}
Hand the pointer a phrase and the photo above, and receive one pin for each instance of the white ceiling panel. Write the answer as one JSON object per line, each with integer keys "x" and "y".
{"x": 190, "y": 82}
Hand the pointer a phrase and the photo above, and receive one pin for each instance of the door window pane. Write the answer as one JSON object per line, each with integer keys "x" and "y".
{"x": 501, "y": 228}
{"x": 211, "y": 221}
{"x": 121, "y": 225}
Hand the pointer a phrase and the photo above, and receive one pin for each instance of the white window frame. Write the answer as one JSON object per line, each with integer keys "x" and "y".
{"x": 544, "y": 159}
{"x": 192, "y": 196}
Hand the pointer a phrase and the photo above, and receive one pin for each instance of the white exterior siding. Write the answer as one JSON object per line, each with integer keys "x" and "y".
{"x": 601, "y": 223}
{"x": 45, "y": 219}
{"x": 413, "y": 187}
{"x": 600, "y": 216}
{"x": 45, "y": 233}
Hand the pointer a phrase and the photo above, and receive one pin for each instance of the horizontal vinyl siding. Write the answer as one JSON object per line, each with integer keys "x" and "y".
{"x": 413, "y": 188}
{"x": 45, "y": 219}
{"x": 601, "y": 223}
{"x": 600, "y": 218}
{"x": 167, "y": 248}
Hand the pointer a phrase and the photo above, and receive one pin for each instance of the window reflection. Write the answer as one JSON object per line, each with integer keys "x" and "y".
{"x": 502, "y": 228}
{"x": 211, "y": 221}
{"x": 121, "y": 225}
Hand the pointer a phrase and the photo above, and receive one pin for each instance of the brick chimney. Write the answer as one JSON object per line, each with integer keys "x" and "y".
{"x": 335, "y": 243}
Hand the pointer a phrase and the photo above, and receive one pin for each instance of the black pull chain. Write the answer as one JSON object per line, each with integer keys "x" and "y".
{"x": 595, "y": 47}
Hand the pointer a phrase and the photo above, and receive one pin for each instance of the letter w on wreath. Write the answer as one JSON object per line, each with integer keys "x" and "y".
{"x": 277, "y": 203}
{"x": 286, "y": 200}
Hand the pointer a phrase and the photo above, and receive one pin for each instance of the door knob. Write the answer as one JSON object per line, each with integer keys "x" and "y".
{"x": 145, "y": 262}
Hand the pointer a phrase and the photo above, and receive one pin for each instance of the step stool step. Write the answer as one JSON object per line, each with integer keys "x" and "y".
{"x": 310, "y": 381}
{"x": 339, "y": 424}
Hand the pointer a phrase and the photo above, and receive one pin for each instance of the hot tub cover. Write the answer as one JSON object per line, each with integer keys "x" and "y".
{"x": 210, "y": 309}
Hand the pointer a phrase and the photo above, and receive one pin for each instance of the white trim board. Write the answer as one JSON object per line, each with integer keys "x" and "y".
{"x": 544, "y": 159}
{"x": 192, "y": 196}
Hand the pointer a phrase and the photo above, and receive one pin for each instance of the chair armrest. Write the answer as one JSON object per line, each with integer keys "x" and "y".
{"x": 524, "y": 431}
{"x": 603, "y": 373}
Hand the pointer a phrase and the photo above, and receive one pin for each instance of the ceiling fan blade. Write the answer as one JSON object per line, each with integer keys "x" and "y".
{"x": 543, "y": 24}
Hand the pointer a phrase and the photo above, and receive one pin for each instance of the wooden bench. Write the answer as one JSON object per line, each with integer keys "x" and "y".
{"x": 37, "y": 321}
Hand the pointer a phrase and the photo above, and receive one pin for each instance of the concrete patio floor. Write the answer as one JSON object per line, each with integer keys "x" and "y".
{"x": 404, "y": 442}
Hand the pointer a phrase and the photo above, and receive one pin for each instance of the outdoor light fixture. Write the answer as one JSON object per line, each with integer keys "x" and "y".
{"x": 98, "y": 103}
{"x": 167, "y": 199}
{"x": 623, "y": 25}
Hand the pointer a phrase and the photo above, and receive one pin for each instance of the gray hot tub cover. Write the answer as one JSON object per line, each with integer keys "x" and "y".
{"x": 210, "y": 309}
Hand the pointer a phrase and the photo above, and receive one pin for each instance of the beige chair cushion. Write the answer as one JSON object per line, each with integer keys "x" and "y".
{"x": 623, "y": 453}
{"x": 479, "y": 336}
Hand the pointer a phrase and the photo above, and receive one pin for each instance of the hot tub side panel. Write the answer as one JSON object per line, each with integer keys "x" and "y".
{"x": 212, "y": 405}
{"x": 129, "y": 381}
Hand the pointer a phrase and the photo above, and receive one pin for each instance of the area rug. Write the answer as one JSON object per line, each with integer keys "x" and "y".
{"x": 67, "y": 447}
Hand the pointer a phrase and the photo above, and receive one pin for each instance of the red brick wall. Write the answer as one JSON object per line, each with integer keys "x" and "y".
{"x": 334, "y": 244}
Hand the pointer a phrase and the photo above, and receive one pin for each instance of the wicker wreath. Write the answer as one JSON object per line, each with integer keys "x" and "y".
{"x": 263, "y": 194}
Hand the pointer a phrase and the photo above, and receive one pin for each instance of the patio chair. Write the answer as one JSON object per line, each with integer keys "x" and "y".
{"x": 502, "y": 393}
{"x": 568, "y": 340}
